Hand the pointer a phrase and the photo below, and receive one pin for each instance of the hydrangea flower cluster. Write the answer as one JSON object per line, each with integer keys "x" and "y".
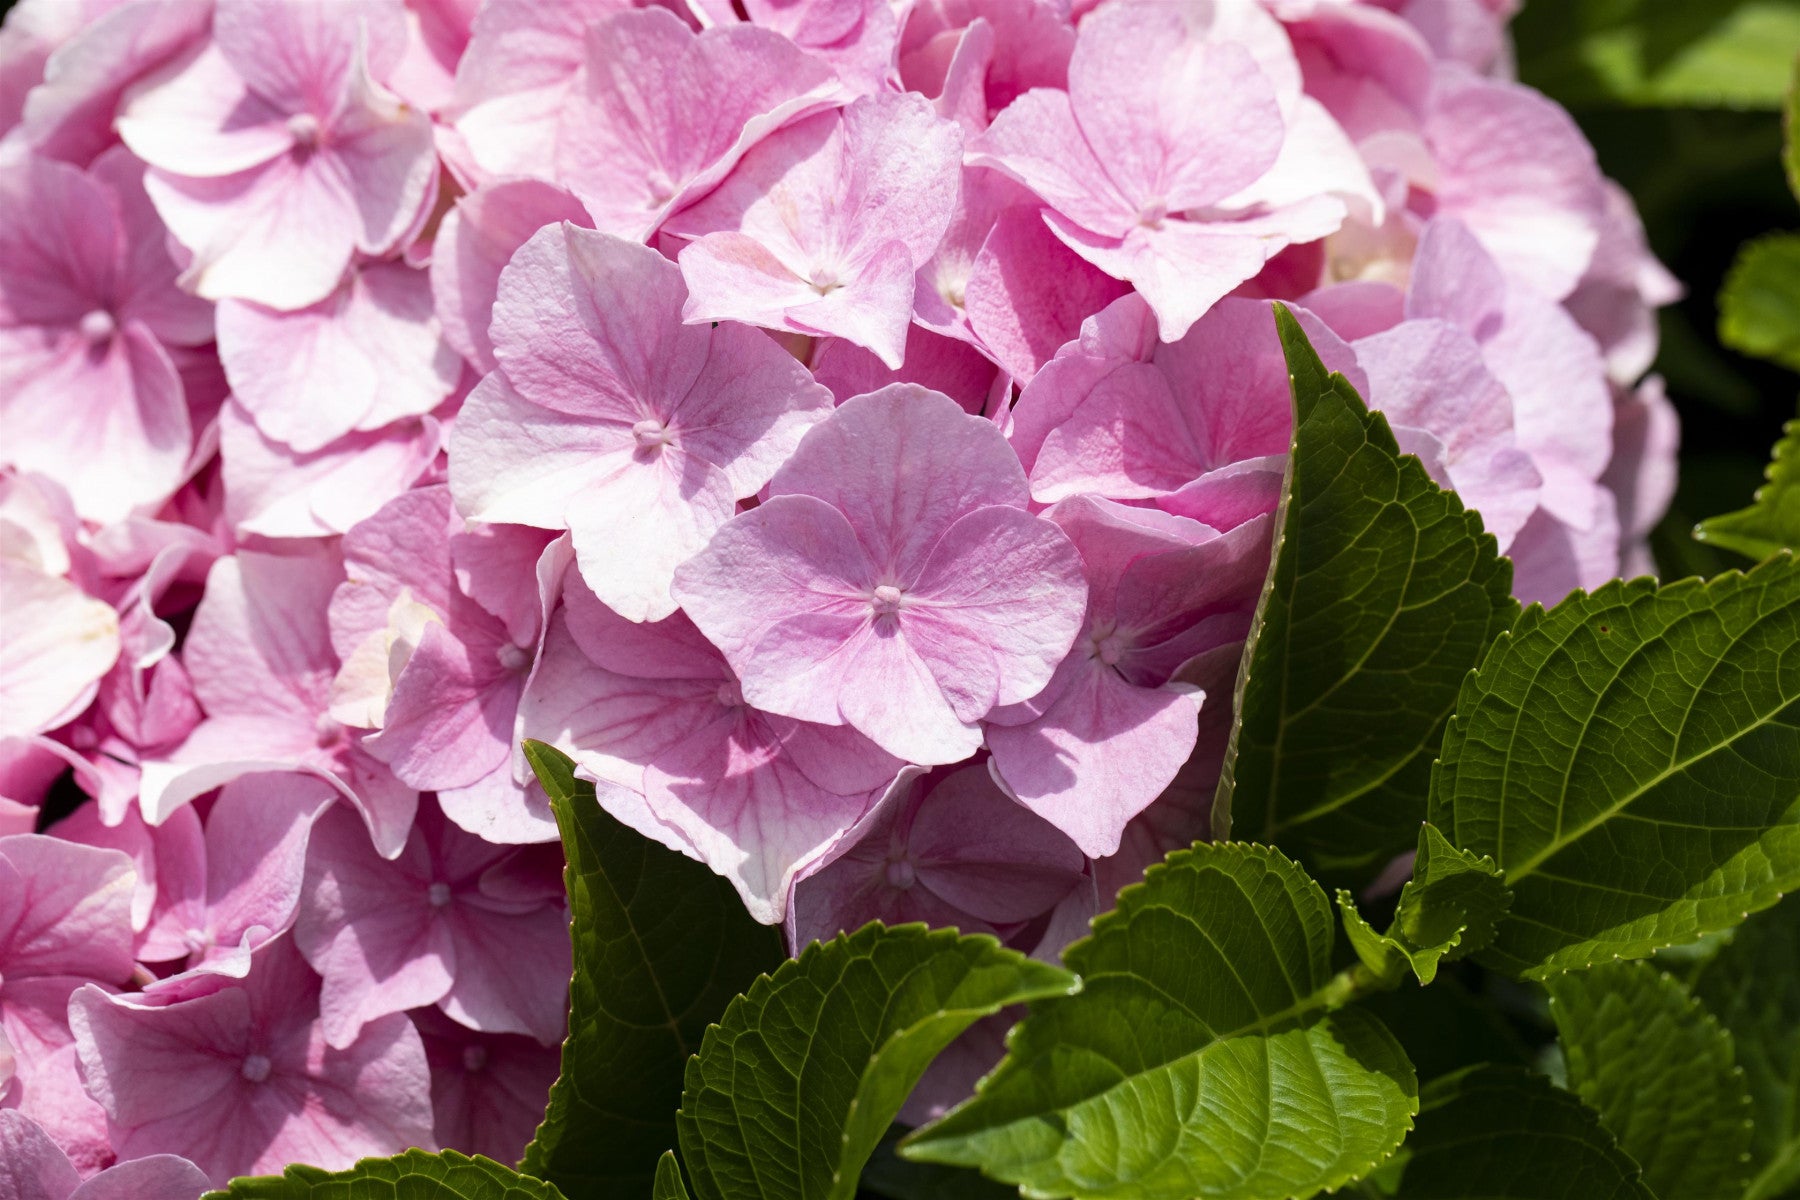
{"x": 850, "y": 429}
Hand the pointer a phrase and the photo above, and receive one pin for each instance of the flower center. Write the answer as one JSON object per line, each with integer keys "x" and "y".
{"x": 256, "y": 1067}
{"x": 474, "y": 1058}
{"x": 438, "y": 894}
{"x": 730, "y": 694}
{"x": 1110, "y": 648}
{"x": 1153, "y": 212}
{"x": 900, "y": 874}
{"x": 303, "y": 127}
{"x": 327, "y": 732}
{"x": 887, "y": 599}
{"x": 651, "y": 434}
{"x": 97, "y": 326}
{"x": 196, "y": 940}
{"x": 513, "y": 658}
{"x": 824, "y": 281}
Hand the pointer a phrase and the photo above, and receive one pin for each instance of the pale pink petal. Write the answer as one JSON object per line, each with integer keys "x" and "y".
{"x": 153, "y": 1177}
{"x": 912, "y": 713}
{"x": 488, "y": 1090}
{"x": 449, "y": 720}
{"x": 65, "y": 909}
{"x": 1646, "y": 439}
{"x": 1037, "y": 141}
{"x": 943, "y": 364}
{"x": 1028, "y": 293}
{"x": 58, "y": 644}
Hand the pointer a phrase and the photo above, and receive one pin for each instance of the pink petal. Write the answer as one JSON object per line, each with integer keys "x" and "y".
{"x": 1028, "y": 293}
{"x": 65, "y": 909}
{"x": 32, "y": 1167}
{"x": 59, "y": 643}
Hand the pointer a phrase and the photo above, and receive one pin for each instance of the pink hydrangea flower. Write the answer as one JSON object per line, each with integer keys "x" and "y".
{"x": 662, "y": 113}
{"x": 241, "y": 1081}
{"x": 259, "y": 653}
{"x": 88, "y": 391}
{"x": 1119, "y": 718}
{"x": 893, "y": 579}
{"x": 59, "y": 643}
{"x": 364, "y": 357}
{"x": 488, "y": 1090}
{"x": 437, "y": 925}
{"x": 949, "y": 849}
{"x": 277, "y": 153}
{"x": 34, "y": 1167}
{"x": 1149, "y": 160}
{"x": 433, "y": 670}
{"x": 821, "y": 227}
{"x": 635, "y": 432}
{"x": 65, "y": 923}
{"x": 655, "y": 709}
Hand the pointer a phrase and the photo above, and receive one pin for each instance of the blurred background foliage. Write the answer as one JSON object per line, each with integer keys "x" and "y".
{"x": 1683, "y": 101}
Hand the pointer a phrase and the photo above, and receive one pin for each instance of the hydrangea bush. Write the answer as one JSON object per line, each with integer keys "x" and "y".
{"x": 763, "y": 598}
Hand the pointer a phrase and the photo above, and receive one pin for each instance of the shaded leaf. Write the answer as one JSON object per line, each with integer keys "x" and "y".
{"x": 1772, "y": 522}
{"x": 1445, "y": 1027}
{"x": 1503, "y": 1133}
{"x": 1449, "y": 908}
{"x": 446, "y": 1176}
{"x": 1202, "y": 1056}
{"x": 801, "y": 1077}
{"x": 1662, "y": 1074}
{"x": 1631, "y": 760}
{"x": 661, "y": 946}
{"x": 1383, "y": 594}
{"x": 1790, "y": 121}
{"x": 894, "y": 1178}
{"x": 668, "y": 1179}
{"x": 1728, "y": 53}
{"x": 1753, "y": 986}
{"x": 1759, "y": 305}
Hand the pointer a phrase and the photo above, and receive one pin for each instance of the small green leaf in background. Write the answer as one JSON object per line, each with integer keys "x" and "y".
{"x": 1790, "y": 121}
{"x": 446, "y": 1176}
{"x": 1449, "y": 908}
{"x": 1505, "y": 1133}
{"x": 1700, "y": 53}
{"x": 1753, "y": 987}
{"x": 661, "y": 946}
{"x": 668, "y": 1179}
{"x": 1772, "y": 522}
{"x": 801, "y": 1077}
{"x": 1631, "y": 760}
{"x": 1759, "y": 306}
{"x": 1383, "y": 594}
{"x": 1661, "y": 1073}
{"x": 1202, "y": 1056}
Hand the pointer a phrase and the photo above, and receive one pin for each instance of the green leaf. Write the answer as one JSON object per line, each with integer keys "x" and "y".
{"x": 1201, "y": 1057}
{"x": 802, "y": 1076}
{"x": 1772, "y": 522}
{"x": 1502, "y": 1133}
{"x": 1449, "y": 908}
{"x": 1445, "y": 1027}
{"x": 1661, "y": 1073}
{"x": 668, "y": 1184}
{"x": 1759, "y": 306}
{"x": 1790, "y": 120}
{"x": 446, "y": 1176}
{"x": 1631, "y": 759}
{"x": 1753, "y": 987}
{"x": 1700, "y": 53}
{"x": 894, "y": 1178}
{"x": 661, "y": 946}
{"x": 1383, "y": 594}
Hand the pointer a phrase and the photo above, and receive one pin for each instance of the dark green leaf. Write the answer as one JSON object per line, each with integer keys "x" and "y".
{"x": 1759, "y": 306}
{"x": 1383, "y": 594}
{"x": 1753, "y": 987}
{"x": 1502, "y": 1133}
{"x": 1202, "y": 1056}
{"x": 1446, "y": 1026}
{"x": 661, "y": 946}
{"x": 796, "y": 1084}
{"x": 1661, "y": 1073}
{"x": 446, "y": 1176}
{"x": 1728, "y": 53}
{"x": 668, "y": 1179}
{"x": 1772, "y": 522}
{"x": 1449, "y": 908}
{"x": 894, "y": 1178}
{"x": 1631, "y": 759}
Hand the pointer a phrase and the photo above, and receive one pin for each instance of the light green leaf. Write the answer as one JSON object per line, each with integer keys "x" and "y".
{"x": 661, "y": 946}
{"x": 668, "y": 1179}
{"x": 1759, "y": 306}
{"x": 1681, "y": 53}
{"x": 1661, "y": 1073}
{"x": 446, "y": 1176}
{"x": 1790, "y": 120}
{"x": 1631, "y": 760}
{"x": 802, "y": 1076}
{"x": 1383, "y": 594}
{"x": 1772, "y": 522}
{"x": 1753, "y": 987}
{"x": 1503, "y": 1133}
{"x": 1449, "y": 908}
{"x": 1202, "y": 1057}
